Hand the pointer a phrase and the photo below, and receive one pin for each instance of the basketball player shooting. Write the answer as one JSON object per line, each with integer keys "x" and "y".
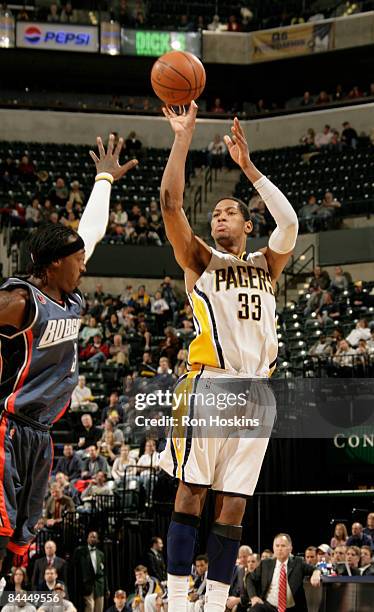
{"x": 39, "y": 326}
{"x": 232, "y": 296}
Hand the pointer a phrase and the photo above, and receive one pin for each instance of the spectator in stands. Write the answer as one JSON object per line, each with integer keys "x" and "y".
{"x": 121, "y": 463}
{"x": 324, "y": 138}
{"x": 339, "y": 553}
{"x": 168, "y": 293}
{"x": 81, "y": 399}
{"x": 353, "y": 557}
{"x": 263, "y": 584}
{"x": 107, "y": 448}
{"x": 338, "y": 94}
{"x": 215, "y": 25}
{"x": 329, "y": 310}
{"x": 196, "y": 595}
{"x": 321, "y": 349}
{"x": 355, "y": 92}
{"x": 119, "y": 352}
{"x": 98, "y": 486}
{"x": 53, "y": 15}
{"x": 49, "y": 580}
{"x": 324, "y": 552}
{"x": 261, "y": 106}
{"x": 26, "y": 169}
{"x": 200, "y": 23}
{"x": 146, "y": 369}
{"x": 87, "y": 434}
{"x": 141, "y": 300}
{"x": 323, "y": 98}
{"x": 327, "y": 209}
{"x": 76, "y": 195}
{"x": 360, "y": 332}
{"x": 70, "y": 464}
{"x": 349, "y": 135}
{"x": 18, "y": 581}
{"x": 146, "y": 589}
{"x": 339, "y": 280}
{"x": 120, "y": 599}
{"x": 320, "y": 278}
{"x": 184, "y": 24}
{"x": 310, "y": 555}
{"x": 144, "y": 336}
{"x": 89, "y": 331}
{"x": 68, "y": 14}
{"x": 369, "y": 529}
{"x": 117, "y": 433}
{"x": 94, "y": 463}
{"x": 62, "y": 602}
{"x": 216, "y": 152}
{"x": 59, "y": 194}
{"x": 151, "y": 457}
{"x": 358, "y": 537}
{"x": 340, "y": 536}
{"x": 267, "y": 554}
{"x": 309, "y": 139}
{"x": 96, "y": 352}
{"x": 21, "y": 604}
{"x": 140, "y": 21}
{"x": 66, "y": 487}
{"x": 170, "y": 345}
{"x": 344, "y": 359}
{"x": 366, "y": 562}
{"x": 236, "y": 591}
{"x": 132, "y": 144}
{"x": 160, "y": 308}
{"x": 8, "y": 171}
{"x": 49, "y": 560}
{"x": 308, "y": 214}
{"x": 155, "y": 560}
{"x": 56, "y": 505}
{"x": 217, "y": 107}
{"x": 165, "y": 373}
{"x": 314, "y": 301}
{"x": 306, "y": 100}
{"x": 233, "y": 24}
{"x": 89, "y": 563}
{"x": 33, "y": 213}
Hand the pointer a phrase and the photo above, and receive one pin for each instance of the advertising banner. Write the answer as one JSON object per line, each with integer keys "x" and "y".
{"x": 293, "y": 40}
{"x": 57, "y": 37}
{"x": 6, "y": 30}
{"x": 110, "y": 37}
{"x": 154, "y": 43}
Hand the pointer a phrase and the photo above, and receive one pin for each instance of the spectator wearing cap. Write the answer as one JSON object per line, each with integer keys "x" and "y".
{"x": 120, "y": 605}
{"x": 358, "y": 537}
{"x": 96, "y": 352}
{"x": 62, "y": 605}
{"x": 324, "y": 552}
{"x": 366, "y": 564}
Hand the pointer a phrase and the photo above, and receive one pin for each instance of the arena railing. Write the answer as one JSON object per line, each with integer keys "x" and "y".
{"x": 303, "y": 263}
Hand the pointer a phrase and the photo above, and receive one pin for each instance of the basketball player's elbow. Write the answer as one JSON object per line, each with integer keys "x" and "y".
{"x": 170, "y": 202}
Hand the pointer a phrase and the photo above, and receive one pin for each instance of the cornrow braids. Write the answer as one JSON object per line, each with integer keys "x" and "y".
{"x": 45, "y": 245}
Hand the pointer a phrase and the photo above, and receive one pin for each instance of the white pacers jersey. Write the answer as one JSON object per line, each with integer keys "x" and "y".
{"x": 234, "y": 315}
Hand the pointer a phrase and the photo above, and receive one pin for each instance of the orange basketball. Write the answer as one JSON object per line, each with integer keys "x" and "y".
{"x": 178, "y": 77}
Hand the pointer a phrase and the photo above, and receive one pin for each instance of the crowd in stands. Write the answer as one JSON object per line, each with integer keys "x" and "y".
{"x": 49, "y": 573}
{"x": 193, "y": 15}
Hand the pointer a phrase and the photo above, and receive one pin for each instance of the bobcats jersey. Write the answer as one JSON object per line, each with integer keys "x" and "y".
{"x": 234, "y": 315}
{"x": 39, "y": 363}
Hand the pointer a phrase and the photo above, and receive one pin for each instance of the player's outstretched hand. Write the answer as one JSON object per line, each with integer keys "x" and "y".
{"x": 237, "y": 145}
{"x": 183, "y": 123}
{"x": 109, "y": 159}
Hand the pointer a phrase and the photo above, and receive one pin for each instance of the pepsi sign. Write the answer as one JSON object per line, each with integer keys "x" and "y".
{"x": 58, "y": 37}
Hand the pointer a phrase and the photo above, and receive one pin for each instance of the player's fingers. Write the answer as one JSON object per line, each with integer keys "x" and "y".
{"x": 94, "y": 157}
{"x": 110, "y": 144}
{"x": 228, "y": 142}
{"x": 193, "y": 108}
{"x": 238, "y": 126}
{"x": 128, "y": 166}
{"x": 100, "y": 146}
{"x": 118, "y": 148}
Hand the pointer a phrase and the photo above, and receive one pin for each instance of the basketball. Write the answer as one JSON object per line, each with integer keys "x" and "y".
{"x": 178, "y": 78}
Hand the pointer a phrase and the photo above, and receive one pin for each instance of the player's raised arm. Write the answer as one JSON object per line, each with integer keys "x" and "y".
{"x": 283, "y": 239}
{"x": 94, "y": 221}
{"x": 192, "y": 254}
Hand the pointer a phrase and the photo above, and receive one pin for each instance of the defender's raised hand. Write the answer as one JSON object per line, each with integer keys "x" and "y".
{"x": 237, "y": 145}
{"x": 183, "y": 124}
{"x": 109, "y": 159}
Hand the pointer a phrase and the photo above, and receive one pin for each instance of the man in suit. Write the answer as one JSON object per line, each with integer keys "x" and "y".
{"x": 155, "y": 562}
{"x": 90, "y": 568}
{"x": 50, "y": 560}
{"x": 237, "y": 583}
{"x": 277, "y": 584}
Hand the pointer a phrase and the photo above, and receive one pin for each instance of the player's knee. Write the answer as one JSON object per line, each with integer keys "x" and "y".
{"x": 231, "y": 511}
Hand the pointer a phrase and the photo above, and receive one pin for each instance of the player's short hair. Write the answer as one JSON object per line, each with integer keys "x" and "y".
{"x": 242, "y": 206}
{"x": 45, "y": 245}
{"x": 202, "y": 558}
{"x": 284, "y": 535}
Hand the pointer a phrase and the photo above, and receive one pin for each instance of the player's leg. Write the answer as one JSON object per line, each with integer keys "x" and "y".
{"x": 184, "y": 525}
{"x": 9, "y": 484}
{"x": 222, "y": 549}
